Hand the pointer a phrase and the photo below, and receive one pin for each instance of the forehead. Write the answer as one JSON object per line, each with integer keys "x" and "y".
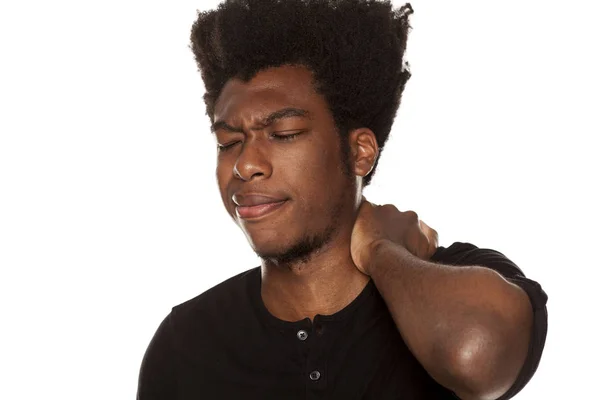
{"x": 270, "y": 89}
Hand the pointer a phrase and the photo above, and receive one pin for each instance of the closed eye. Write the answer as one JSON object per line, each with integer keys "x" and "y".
{"x": 226, "y": 147}
{"x": 285, "y": 137}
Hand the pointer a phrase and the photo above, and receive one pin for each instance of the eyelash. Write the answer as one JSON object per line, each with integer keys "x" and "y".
{"x": 283, "y": 138}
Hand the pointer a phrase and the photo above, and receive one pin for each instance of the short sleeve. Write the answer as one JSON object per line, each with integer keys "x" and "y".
{"x": 157, "y": 379}
{"x": 468, "y": 254}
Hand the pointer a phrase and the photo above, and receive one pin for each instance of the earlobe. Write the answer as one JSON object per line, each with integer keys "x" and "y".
{"x": 370, "y": 169}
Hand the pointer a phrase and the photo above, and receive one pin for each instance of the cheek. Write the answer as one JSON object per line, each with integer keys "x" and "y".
{"x": 224, "y": 168}
{"x": 220, "y": 175}
{"x": 324, "y": 166}
{"x": 223, "y": 178}
{"x": 314, "y": 174}
{"x": 304, "y": 170}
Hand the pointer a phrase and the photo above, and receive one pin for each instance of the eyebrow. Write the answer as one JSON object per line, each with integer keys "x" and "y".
{"x": 271, "y": 118}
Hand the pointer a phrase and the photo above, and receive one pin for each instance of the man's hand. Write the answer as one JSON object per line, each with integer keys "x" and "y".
{"x": 375, "y": 223}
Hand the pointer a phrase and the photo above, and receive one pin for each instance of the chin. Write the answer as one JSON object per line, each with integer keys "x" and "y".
{"x": 273, "y": 247}
{"x": 271, "y": 253}
{"x": 280, "y": 251}
{"x": 266, "y": 242}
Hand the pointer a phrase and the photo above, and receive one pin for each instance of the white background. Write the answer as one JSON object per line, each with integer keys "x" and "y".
{"x": 110, "y": 213}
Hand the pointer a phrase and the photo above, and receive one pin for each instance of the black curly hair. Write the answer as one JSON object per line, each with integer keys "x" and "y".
{"x": 354, "y": 49}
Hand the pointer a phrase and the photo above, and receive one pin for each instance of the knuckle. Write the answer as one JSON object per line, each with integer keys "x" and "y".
{"x": 412, "y": 216}
{"x": 389, "y": 210}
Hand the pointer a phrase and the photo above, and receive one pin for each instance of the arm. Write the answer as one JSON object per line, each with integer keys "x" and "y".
{"x": 467, "y": 326}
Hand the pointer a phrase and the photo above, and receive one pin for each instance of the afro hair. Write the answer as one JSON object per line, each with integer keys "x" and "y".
{"x": 354, "y": 49}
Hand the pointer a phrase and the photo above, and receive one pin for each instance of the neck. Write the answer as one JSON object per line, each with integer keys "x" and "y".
{"x": 326, "y": 283}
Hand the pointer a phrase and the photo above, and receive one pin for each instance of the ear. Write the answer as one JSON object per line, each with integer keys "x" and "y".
{"x": 364, "y": 151}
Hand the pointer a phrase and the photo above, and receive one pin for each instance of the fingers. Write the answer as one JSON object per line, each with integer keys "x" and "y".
{"x": 431, "y": 235}
{"x": 429, "y": 231}
{"x": 366, "y": 203}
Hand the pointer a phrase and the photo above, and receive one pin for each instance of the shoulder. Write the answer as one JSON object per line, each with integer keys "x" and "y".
{"x": 227, "y": 296}
{"x": 464, "y": 253}
{"x": 467, "y": 254}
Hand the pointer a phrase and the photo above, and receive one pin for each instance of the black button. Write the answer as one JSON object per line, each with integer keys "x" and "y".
{"x": 315, "y": 375}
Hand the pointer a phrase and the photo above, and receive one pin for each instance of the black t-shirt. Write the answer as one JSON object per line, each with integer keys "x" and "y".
{"x": 225, "y": 344}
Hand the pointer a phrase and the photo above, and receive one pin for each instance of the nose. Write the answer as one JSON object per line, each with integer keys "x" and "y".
{"x": 252, "y": 161}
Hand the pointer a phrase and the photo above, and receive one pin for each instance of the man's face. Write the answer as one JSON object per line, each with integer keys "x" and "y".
{"x": 293, "y": 158}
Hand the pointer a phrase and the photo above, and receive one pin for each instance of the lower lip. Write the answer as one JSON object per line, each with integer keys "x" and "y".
{"x": 258, "y": 211}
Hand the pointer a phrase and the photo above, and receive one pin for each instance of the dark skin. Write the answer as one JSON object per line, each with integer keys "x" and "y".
{"x": 467, "y": 326}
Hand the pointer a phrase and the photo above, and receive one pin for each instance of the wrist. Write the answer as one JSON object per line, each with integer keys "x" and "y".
{"x": 380, "y": 253}
{"x": 371, "y": 255}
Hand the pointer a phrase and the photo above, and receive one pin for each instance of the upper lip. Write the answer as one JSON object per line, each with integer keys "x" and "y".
{"x": 254, "y": 199}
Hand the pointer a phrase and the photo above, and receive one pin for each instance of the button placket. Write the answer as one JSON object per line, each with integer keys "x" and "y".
{"x": 316, "y": 362}
{"x": 319, "y": 330}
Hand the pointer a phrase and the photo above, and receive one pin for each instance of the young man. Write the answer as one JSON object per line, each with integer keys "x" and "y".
{"x": 352, "y": 300}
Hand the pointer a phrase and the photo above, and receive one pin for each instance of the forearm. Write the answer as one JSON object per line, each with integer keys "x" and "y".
{"x": 466, "y": 325}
